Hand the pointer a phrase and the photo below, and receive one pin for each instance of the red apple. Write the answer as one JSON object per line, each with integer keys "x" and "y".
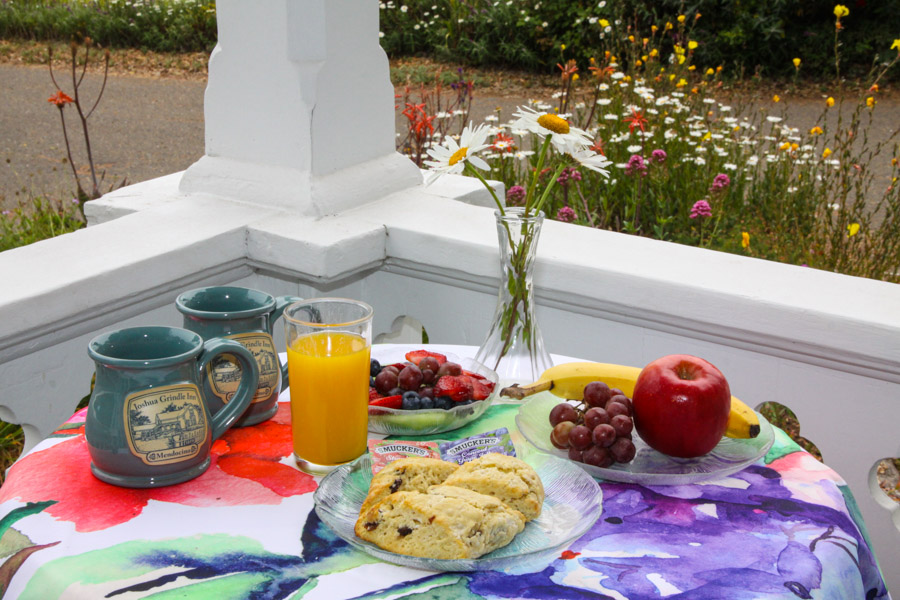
{"x": 681, "y": 405}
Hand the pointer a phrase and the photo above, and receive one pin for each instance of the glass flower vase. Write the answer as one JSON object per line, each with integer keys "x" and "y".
{"x": 514, "y": 347}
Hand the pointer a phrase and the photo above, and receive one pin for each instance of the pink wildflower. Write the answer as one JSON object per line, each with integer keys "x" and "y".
{"x": 700, "y": 209}
{"x": 515, "y": 195}
{"x": 636, "y": 166}
{"x": 566, "y": 215}
{"x": 659, "y": 156}
{"x": 720, "y": 182}
{"x": 567, "y": 174}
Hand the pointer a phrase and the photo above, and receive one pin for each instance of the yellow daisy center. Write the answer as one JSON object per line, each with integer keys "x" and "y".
{"x": 553, "y": 123}
{"x": 458, "y": 155}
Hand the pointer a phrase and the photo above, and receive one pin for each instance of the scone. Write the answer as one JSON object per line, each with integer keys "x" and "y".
{"x": 445, "y": 523}
{"x": 407, "y": 475}
{"x": 509, "y": 479}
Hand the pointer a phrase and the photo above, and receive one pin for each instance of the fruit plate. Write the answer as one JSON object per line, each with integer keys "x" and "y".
{"x": 429, "y": 421}
{"x": 649, "y": 467}
{"x": 572, "y": 504}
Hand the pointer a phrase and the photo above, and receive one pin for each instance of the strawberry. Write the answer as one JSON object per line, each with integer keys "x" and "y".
{"x": 474, "y": 375}
{"x": 481, "y": 389}
{"x": 388, "y": 401}
{"x": 416, "y": 355}
{"x": 458, "y": 387}
{"x": 373, "y": 394}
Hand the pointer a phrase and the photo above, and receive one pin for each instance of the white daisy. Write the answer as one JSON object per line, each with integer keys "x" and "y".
{"x": 452, "y": 156}
{"x": 543, "y": 124}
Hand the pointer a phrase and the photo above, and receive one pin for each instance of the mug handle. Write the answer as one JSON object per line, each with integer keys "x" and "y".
{"x": 281, "y": 303}
{"x": 232, "y": 411}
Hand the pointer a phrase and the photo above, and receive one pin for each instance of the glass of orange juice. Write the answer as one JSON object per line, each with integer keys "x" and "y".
{"x": 328, "y": 348}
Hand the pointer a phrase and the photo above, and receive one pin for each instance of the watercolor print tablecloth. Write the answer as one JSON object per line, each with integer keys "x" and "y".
{"x": 783, "y": 528}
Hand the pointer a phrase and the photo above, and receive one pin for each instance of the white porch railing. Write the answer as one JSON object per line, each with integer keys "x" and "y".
{"x": 826, "y": 345}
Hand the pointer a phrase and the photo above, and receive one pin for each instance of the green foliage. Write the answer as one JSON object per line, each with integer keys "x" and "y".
{"x": 40, "y": 220}
{"x": 160, "y": 25}
{"x": 745, "y": 37}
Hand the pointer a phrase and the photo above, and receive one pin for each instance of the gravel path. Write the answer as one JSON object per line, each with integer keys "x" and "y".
{"x": 146, "y": 127}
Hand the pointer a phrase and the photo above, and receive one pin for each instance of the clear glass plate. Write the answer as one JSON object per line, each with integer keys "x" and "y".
{"x": 572, "y": 504}
{"x": 429, "y": 421}
{"x": 650, "y": 467}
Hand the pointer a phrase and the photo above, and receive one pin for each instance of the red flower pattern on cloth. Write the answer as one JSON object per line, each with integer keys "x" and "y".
{"x": 245, "y": 469}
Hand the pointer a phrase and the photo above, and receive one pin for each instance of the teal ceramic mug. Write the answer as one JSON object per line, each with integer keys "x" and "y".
{"x": 148, "y": 422}
{"x": 246, "y": 316}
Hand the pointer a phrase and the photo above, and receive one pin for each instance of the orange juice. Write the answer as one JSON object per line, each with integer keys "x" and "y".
{"x": 329, "y": 379}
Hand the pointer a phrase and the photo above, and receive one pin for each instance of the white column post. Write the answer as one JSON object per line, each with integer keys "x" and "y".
{"x": 299, "y": 108}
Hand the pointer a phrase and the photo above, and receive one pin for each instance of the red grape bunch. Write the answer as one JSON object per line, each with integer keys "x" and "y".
{"x": 597, "y": 431}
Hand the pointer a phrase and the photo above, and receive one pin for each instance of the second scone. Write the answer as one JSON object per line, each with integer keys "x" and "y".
{"x": 507, "y": 478}
{"x": 412, "y": 474}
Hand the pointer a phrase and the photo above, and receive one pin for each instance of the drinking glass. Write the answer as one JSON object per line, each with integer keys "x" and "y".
{"x": 329, "y": 344}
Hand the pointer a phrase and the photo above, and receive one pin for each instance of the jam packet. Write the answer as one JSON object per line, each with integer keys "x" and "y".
{"x": 464, "y": 450}
{"x": 386, "y": 451}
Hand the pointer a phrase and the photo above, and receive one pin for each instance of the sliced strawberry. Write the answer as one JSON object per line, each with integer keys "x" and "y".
{"x": 474, "y": 375}
{"x": 373, "y": 394}
{"x": 398, "y": 366}
{"x": 458, "y": 387}
{"x": 416, "y": 355}
{"x": 388, "y": 401}
{"x": 481, "y": 389}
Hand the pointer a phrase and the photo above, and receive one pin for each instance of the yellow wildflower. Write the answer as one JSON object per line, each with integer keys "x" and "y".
{"x": 874, "y": 87}
{"x": 692, "y": 45}
{"x": 645, "y": 58}
{"x": 870, "y": 102}
{"x": 654, "y": 28}
{"x": 745, "y": 240}
{"x": 638, "y": 63}
{"x": 852, "y": 229}
{"x": 654, "y": 52}
{"x": 692, "y": 68}
{"x": 719, "y": 69}
{"x": 695, "y": 90}
{"x": 841, "y": 11}
{"x": 815, "y": 130}
{"x": 645, "y": 41}
{"x": 678, "y": 49}
{"x": 776, "y": 98}
{"x": 672, "y": 77}
{"x": 631, "y": 38}
{"x": 826, "y": 153}
{"x": 681, "y": 59}
{"x": 893, "y": 162}
{"x": 681, "y": 82}
{"x": 896, "y": 45}
{"x": 707, "y": 136}
{"x": 562, "y": 46}
{"x": 794, "y": 147}
{"x": 627, "y": 79}
{"x": 681, "y": 18}
{"x": 710, "y": 71}
{"x": 604, "y": 23}
{"x": 796, "y": 63}
{"x": 829, "y": 101}
{"x": 668, "y": 26}
{"x": 574, "y": 77}
{"x": 785, "y": 146}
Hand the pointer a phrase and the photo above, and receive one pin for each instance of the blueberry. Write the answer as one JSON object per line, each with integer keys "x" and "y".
{"x": 411, "y": 401}
{"x": 444, "y": 402}
{"x": 426, "y": 402}
{"x": 465, "y": 402}
{"x": 371, "y": 382}
{"x": 374, "y": 367}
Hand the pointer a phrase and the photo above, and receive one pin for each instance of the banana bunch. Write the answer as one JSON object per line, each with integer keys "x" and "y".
{"x": 568, "y": 381}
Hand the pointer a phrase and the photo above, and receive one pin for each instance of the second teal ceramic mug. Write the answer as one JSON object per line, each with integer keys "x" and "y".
{"x": 246, "y": 316}
{"x": 148, "y": 422}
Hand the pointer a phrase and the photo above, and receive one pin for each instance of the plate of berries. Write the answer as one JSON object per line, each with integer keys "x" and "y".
{"x": 422, "y": 393}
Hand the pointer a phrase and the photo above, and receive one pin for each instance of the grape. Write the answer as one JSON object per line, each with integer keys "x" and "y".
{"x": 598, "y": 457}
{"x": 427, "y": 392}
{"x": 615, "y": 392}
{"x": 385, "y": 381}
{"x": 580, "y": 437}
{"x": 595, "y": 416}
{"x": 617, "y": 408}
{"x": 559, "y": 437}
{"x": 428, "y": 376}
{"x": 392, "y": 369}
{"x": 603, "y": 435}
{"x": 563, "y": 412}
{"x": 410, "y": 377}
{"x": 623, "y": 450}
{"x": 596, "y": 393}
{"x": 449, "y": 368}
{"x": 576, "y": 455}
{"x": 623, "y": 425}
{"x": 430, "y": 363}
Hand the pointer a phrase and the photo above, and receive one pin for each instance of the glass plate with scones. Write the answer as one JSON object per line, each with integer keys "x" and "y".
{"x": 462, "y": 507}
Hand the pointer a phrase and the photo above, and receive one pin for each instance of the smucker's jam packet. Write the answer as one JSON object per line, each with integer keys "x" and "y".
{"x": 470, "y": 448}
{"x": 385, "y": 451}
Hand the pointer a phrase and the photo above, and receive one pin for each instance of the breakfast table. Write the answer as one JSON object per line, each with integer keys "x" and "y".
{"x": 786, "y": 526}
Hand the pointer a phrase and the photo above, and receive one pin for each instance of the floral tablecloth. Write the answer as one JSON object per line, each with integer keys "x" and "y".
{"x": 786, "y": 527}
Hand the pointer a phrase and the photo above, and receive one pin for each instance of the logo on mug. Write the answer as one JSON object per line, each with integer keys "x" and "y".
{"x": 225, "y": 374}
{"x": 166, "y": 425}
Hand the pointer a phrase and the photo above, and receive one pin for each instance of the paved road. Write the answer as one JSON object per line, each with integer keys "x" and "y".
{"x": 146, "y": 127}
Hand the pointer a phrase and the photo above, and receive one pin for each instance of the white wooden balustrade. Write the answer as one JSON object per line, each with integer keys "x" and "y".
{"x": 300, "y": 192}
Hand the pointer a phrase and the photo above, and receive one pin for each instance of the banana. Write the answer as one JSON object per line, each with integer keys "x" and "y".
{"x": 568, "y": 381}
{"x": 743, "y": 422}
